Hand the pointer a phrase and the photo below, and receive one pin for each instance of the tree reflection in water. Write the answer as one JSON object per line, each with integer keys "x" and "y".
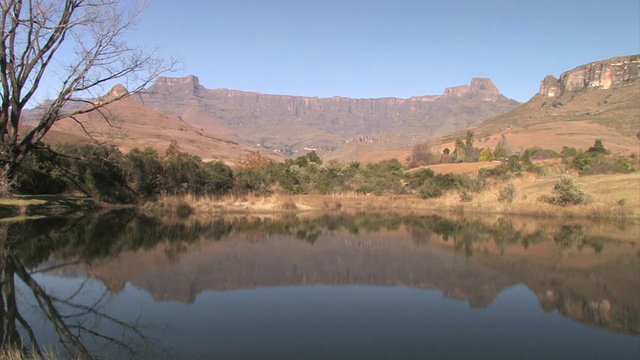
{"x": 73, "y": 320}
{"x": 31, "y": 247}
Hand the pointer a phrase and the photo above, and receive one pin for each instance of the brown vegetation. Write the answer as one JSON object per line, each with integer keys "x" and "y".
{"x": 610, "y": 196}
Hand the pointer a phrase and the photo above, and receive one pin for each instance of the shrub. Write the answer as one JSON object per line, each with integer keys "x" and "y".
{"x": 465, "y": 196}
{"x": 598, "y": 148}
{"x": 418, "y": 178}
{"x": 565, "y": 192}
{"x": 568, "y": 152}
{"x": 487, "y": 155}
{"x": 430, "y": 189}
{"x": 538, "y": 153}
{"x": 607, "y": 164}
{"x": 507, "y": 193}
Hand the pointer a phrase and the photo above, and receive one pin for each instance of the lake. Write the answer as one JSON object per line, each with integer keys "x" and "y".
{"x": 322, "y": 286}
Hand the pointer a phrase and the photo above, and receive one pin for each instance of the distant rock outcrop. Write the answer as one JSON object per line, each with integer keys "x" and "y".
{"x": 188, "y": 85}
{"x": 481, "y": 89}
{"x": 286, "y": 124}
{"x": 607, "y": 74}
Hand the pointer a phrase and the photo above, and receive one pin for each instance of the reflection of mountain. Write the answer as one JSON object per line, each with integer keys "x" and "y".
{"x": 382, "y": 259}
{"x": 599, "y": 289}
{"x": 588, "y": 272}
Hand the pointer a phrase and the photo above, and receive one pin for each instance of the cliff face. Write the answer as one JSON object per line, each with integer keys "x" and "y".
{"x": 481, "y": 89}
{"x": 608, "y": 74}
{"x": 286, "y": 124}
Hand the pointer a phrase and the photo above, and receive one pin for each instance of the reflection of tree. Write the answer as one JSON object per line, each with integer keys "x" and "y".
{"x": 73, "y": 321}
{"x": 30, "y": 244}
{"x": 570, "y": 237}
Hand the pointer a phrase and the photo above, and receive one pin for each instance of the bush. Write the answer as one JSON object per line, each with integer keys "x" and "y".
{"x": 487, "y": 155}
{"x": 36, "y": 174}
{"x": 465, "y": 196}
{"x": 565, "y": 192}
{"x": 507, "y": 193}
{"x": 418, "y": 178}
{"x": 430, "y": 189}
{"x": 598, "y": 148}
{"x": 538, "y": 153}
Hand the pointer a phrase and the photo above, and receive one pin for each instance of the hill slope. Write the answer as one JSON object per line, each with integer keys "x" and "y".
{"x": 128, "y": 124}
{"x": 599, "y": 100}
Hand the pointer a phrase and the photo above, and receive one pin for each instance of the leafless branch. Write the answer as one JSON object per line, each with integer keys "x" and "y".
{"x": 78, "y": 44}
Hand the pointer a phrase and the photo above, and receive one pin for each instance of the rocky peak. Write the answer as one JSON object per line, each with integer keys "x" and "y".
{"x": 550, "y": 86}
{"x": 188, "y": 85}
{"x": 607, "y": 74}
{"x": 480, "y": 88}
{"x": 116, "y": 92}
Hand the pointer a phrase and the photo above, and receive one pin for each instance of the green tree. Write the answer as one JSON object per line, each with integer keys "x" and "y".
{"x": 597, "y": 148}
{"x": 218, "y": 177}
{"x": 144, "y": 171}
{"x": 487, "y": 155}
{"x": 500, "y": 152}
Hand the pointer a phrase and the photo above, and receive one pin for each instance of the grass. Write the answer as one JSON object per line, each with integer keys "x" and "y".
{"x": 29, "y": 206}
{"x": 15, "y": 354}
{"x": 614, "y": 196}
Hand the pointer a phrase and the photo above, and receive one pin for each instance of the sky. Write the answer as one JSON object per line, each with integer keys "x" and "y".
{"x": 386, "y": 48}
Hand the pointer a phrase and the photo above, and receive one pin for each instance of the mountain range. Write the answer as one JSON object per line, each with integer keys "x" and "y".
{"x": 599, "y": 99}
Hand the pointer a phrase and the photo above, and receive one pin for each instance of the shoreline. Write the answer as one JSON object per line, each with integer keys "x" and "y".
{"x": 610, "y": 197}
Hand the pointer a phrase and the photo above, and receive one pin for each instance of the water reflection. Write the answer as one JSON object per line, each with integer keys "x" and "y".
{"x": 587, "y": 272}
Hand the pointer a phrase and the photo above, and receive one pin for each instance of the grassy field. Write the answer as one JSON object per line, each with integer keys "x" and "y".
{"x": 614, "y": 196}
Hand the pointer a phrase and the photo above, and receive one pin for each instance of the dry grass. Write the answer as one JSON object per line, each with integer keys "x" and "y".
{"x": 15, "y": 354}
{"x": 610, "y": 197}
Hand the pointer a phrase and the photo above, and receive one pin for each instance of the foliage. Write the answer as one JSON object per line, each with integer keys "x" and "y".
{"x": 507, "y": 193}
{"x": 37, "y": 174}
{"x": 441, "y": 183}
{"x": 144, "y": 171}
{"x": 565, "y": 192}
{"x": 538, "y": 153}
{"x": 419, "y": 177}
{"x": 568, "y": 152}
{"x": 512, "y": 167}
{"x": 465, "y": 196}
{"x": 487, "y": 155}
{"x": 381, "y": 178}
{"x": 596, "y": 160}
{"x": 500, "y": 152}
{"x": 598, "y": 148}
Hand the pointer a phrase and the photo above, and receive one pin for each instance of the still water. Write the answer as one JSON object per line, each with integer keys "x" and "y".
{"x": 352, "y": 286}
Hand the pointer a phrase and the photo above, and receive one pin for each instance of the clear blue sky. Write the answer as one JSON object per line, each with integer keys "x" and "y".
{"x": 380, "y": 48}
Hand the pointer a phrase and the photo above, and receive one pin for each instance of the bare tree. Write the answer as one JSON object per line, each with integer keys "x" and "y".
{"x": 77, "y": 47}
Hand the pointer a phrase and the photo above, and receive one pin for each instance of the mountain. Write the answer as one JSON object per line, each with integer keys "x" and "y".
{"x": 289, "y": 124}
{"x": 598, "y": 100}
{"x": 128, "y": 123}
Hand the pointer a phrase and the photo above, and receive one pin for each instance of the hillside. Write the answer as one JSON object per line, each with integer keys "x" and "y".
{"x": 289, "y": 124}
{"x": 599, "y": 100}
{"x": 129, "y": 124}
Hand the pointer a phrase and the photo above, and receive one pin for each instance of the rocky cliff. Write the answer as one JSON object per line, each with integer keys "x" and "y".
{"x": 287, "y": 124}
{"x": 481, "y": 89}
{"x": 607, "y": 74}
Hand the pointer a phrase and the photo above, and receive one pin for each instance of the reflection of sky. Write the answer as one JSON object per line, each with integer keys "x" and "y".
{"x": 355, "y": 322}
